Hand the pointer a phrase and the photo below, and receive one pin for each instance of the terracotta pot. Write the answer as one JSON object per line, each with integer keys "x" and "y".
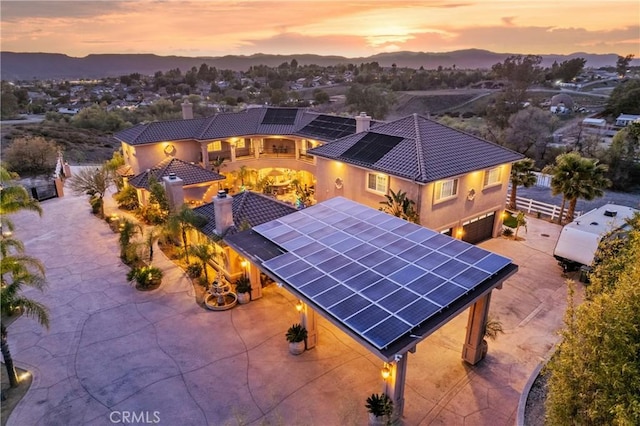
{"x": 296, "y": 348}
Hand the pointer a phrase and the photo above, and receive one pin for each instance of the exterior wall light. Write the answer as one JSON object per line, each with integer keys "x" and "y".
{"x": 386, "y": 371}
{"x": 299, "y": 306}
{"x": 459, "y": 233}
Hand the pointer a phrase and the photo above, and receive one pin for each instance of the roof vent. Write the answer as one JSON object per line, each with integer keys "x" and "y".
{"x": 610, "y": 213}
{"x": 594, "y": 223}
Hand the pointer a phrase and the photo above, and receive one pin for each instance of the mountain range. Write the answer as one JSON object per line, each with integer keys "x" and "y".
{"x": 42, "y": 66}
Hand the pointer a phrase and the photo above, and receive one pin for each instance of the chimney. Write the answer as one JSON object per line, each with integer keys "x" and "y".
{"x": 187, "y": 110}
{"x": 222, "y": 204}
{"x": 173, "y": 185}
{"x": 363, "y": 122}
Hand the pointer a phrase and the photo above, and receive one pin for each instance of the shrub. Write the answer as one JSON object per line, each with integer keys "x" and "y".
{"x": 507, "y": 232}
{"x": 379, "y": 405}
{"x": 146, "y": 276}
{"x": 194, "y": 270}
{"x": 296, "y": 333}
{"x": 243, "y": 285}
{"x": 96, "y": 205}
{"x": 127, "y": 198}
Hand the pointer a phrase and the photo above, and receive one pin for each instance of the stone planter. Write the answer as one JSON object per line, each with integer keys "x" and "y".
{"x": 296, "y": 348}
{"x": 244, "y": 298}
{"x": 376, "y": 420}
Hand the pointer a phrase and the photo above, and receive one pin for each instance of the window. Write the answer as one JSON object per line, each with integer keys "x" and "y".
{"x": 446, "y": 189}
{"x": 241, "y": 143}
{"x": 492, "y": 176}
{"x": 377, "y": 182}
{"x": 214, "y": 146}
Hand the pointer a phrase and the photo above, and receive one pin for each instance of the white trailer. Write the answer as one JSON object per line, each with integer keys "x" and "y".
{"x": 578, "y": 240}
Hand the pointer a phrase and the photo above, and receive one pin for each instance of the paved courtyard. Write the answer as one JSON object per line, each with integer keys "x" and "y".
{"x": 112, "y": 349}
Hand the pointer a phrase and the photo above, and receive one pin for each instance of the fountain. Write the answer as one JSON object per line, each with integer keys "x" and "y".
{"x": 220, "y": 297}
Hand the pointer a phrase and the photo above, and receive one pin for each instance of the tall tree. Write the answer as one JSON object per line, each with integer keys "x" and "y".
{"x": 182, "y": 221}
{"x": 16, "y": 269}
{"x": 14, "y": 198}
{"x": 520, "y": 72}
{"x": 622, "y": 64}
{"x": 205, "y": 254}
{"x": 31, "y": 156}
{"x": 529, "y": 132}
{"x": 521, "y": 175}
{"x": 399, "y": 205}
{"x": 594, "y": 375}
{"x": 93, "y": 182}
{"x": 622, "y": 157}
{"x": 576, "y": 177}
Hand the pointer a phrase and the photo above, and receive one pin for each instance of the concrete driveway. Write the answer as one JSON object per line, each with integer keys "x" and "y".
{"x": 115, "y": 354}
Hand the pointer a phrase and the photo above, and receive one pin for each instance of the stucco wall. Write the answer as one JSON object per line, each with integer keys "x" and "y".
{"x": 142, "y": 157}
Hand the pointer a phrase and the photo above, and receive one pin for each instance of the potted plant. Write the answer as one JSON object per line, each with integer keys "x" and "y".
{"x": 243, "y": 289}
{"x": 146, "y": 277}
{"x": 296, "y": 336}
{"x": 492, "y": 328}
{"x": 380, "y": 408}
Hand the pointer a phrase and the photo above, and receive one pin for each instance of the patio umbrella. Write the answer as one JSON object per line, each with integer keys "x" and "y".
{"x": 275, "y": 172}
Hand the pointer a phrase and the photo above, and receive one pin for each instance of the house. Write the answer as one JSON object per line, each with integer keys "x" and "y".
{"x": 458, "y": 181}
{"x": 626, "y": 119}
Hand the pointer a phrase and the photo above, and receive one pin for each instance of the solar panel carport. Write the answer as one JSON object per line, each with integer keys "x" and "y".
{"x": 386, "y": 282}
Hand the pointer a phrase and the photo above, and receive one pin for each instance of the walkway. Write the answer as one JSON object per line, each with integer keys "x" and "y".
{"x": 113, "y": 349}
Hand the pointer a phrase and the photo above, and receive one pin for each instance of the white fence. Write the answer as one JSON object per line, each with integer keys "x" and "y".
{"x": 530, "y": 206}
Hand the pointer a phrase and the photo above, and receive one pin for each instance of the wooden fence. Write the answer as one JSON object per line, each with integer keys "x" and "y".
{"x": 539, "y": 208}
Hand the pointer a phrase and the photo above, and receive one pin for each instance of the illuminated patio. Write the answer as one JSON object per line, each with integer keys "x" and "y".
{"x": 113, "y": 348}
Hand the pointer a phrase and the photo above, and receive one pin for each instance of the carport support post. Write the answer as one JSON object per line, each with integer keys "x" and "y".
{"x": 393, "y": 386}
{"x": 308, "y": 321}
{"x": 472, "y": 349}
{"x": 256, "y": 284}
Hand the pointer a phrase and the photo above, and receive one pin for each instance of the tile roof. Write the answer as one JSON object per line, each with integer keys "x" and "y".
{"x": 191, "y": 174}
{"x": 248, "y": 208}
{"x": 229, "y": 124}
{"x": 429, "y": 151}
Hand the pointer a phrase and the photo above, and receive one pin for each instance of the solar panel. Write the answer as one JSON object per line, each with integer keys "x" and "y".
{"x": 418, "y": 310}
{"x": 329, "y": 127}
{"x": 380, "y": 290}
{"x": 387, "y": 331}
{"x": 349, "y": 306}
{"x": 367, "y": 318}
{"x": 375, "y": 273}
{"x": 372, "y": 147}
{"x": 280, "y": 116}
{"x": 398, "y": 300}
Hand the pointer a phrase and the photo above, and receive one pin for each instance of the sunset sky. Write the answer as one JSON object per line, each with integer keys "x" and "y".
{"x": 346, "y": 28}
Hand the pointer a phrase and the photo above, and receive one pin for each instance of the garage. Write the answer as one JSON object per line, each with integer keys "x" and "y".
{"x": 479, "y": 228}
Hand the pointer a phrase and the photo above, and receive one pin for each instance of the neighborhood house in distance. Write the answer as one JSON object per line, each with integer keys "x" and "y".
{"x": 271, "y": 156}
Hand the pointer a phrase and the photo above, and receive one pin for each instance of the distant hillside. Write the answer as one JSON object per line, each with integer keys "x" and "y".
{"x": 25, "y": 66}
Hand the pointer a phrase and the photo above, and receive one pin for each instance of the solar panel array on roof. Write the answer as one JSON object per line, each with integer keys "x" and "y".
{"x": 329, "y": 127}
{"x": 377, "y": 274}
{"x": 280, "y": 116}
{"x": 372, "y": 147}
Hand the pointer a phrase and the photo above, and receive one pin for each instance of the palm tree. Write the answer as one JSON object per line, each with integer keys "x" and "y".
{"x": 14, "y": 198}
{"x": 521, "y": 174}
{"x": 93, "y": 182}
{"x": 16, "y": 269}
{"x": 400, "y": 206}
{"x": 205, "y": 254}
{"x": 182, "y": 221}
{"x": 576, "y": 177}
{"x": 16, "y": 272}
